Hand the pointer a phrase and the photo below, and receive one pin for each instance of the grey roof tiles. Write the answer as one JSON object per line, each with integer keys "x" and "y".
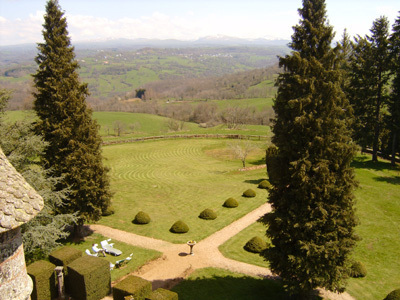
{"x": 19, "y": 202}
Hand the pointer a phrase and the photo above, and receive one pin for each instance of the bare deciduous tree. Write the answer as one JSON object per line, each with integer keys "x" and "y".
{"x": 241, "y": 149}
{"x": 119, "y": 127}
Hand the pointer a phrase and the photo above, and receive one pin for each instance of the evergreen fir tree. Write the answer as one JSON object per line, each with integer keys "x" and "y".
{"x": 312, "y": 223}
{"x": 22, "y": 148}
{"x": 394, "y": 100}
{"x": 369, "y": 80}
{"x": 65, "y": 122}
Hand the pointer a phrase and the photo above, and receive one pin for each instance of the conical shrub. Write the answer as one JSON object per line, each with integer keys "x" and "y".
{"x": 179, "y": 227}
{"x": 208, "y": 214}
{"x": 393, "y": 295}
{"x": 264, "y": 185}
{"x": 249, "y": 193}
{"x": 231, "y": 203}
{"x": 255, "y": 245}
{"x": 141, "y": 218}
{"x": 358, "y": 270}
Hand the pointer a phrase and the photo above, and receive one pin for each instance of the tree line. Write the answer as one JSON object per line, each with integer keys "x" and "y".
{"x": 373, "y": 87}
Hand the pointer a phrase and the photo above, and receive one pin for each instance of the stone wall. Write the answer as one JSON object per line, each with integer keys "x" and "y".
{"x": 14, "y": 281}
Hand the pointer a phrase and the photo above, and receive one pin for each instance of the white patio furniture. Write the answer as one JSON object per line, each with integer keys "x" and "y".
{"x": 121, "y": 262}
{"x": 110, "y": 249}
{"x": 90, "y": 253}
{"x": 98, "y": 250}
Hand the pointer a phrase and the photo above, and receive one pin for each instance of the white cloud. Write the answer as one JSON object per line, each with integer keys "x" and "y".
{"x": 21, "y": 31}
{"x": 189, "y": 26}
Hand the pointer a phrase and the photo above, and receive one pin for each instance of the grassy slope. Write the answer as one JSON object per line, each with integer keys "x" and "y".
{"x": 378, "y": 208}
{"x": 177, "y": 179}
{"x": 149, "y": 125}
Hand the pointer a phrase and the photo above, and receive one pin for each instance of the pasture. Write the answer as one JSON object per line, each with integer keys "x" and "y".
{"x": 177, "y": 179}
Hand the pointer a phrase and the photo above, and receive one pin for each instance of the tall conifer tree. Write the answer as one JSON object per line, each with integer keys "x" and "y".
{"x": 312, "y": 223}
{"x": 369, "y": 79}
{"x": 394, "y": 100}
{"x": 65, "y": 122}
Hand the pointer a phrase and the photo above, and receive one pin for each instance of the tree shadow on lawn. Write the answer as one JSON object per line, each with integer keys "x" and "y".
{"x": 257, "y": 162}
{"x": 364, "y": 162}
{"x": 232, "y": 288}
{"x": 229, "y": 287}
{"x": 254, "y": 181}
{"x": 391, "y": 180}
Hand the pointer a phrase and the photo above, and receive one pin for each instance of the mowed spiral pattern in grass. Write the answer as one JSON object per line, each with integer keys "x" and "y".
{"x": 176, "y": 179}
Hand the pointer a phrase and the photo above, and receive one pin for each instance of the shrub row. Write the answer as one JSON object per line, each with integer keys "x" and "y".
{"x": 143, "y": 218}
{"x": 133, "y": 287}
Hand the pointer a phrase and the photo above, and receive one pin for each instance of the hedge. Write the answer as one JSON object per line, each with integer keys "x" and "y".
{"x": 208, "y": 214}
{"x": 249, "y": 193}
{"x": 230, "y": 203}
{"x": 141, "y": 218}
{"x": 64, "y": 256}
{"x": 179, "y": 227}
{"x": 44, "y": 280}
{"x": 162, "y": 294}
{"x": 255, "y": 245}
{"x": 89, "y": 278}
{"x": 138, "y": 287}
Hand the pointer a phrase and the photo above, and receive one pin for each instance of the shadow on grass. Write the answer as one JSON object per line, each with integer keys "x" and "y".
{"x": 364, "y": 162}
{"x": 257, "y": 162}
{"x": 231, "y": 288}
{"x": 391, "y": 180}
{"x": 254, "y": 181}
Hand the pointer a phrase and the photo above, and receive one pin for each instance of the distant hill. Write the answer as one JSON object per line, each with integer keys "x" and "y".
{"x": 116, "y": 68}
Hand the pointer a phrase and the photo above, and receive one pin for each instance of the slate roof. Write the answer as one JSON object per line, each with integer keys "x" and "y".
{"x": 19, "y": 202}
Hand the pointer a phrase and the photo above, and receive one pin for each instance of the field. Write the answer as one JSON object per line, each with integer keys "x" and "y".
{"x": 177, "y": 179}
{"x": 139, "y": 125}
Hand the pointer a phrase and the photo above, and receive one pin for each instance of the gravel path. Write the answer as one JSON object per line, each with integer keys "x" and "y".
{"x": 176, "y": 264}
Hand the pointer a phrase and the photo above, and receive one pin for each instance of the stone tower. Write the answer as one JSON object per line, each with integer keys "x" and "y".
{"x": 19, "y": 203}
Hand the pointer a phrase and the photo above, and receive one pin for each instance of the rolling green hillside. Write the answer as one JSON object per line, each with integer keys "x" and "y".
{"x": 117, "y": 72}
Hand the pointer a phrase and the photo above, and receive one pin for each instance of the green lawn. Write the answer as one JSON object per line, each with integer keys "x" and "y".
{"x": 140, "y": 255}
{"x": 378, "y": 208}
{"x": 177, "y": 179}
{"x": 233, "y": 248}
{"x": 218, "y": 284}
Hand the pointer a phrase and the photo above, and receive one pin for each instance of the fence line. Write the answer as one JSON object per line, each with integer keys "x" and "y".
{"x": 189, "y": 136}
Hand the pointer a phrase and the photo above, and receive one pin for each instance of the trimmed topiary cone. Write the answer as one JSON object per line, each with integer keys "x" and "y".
{"x": 255, "y": 245}
{"x": 357, "y": 270}
{"x": 179, "y": 227}
{"x": 208, "y": 214}
{"x": 393, "y": 295}
{"x": 249, "y": 193}
{"x": 141, "y": 218}
{"x": 230, "y": 203}
{"x": 264, "y": 185}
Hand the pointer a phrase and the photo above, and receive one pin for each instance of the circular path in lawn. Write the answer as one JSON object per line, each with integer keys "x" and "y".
{"x": 177, "y": 264}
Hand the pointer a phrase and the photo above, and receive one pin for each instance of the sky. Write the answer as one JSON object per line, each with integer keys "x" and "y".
{"x": 90, "y": 20}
